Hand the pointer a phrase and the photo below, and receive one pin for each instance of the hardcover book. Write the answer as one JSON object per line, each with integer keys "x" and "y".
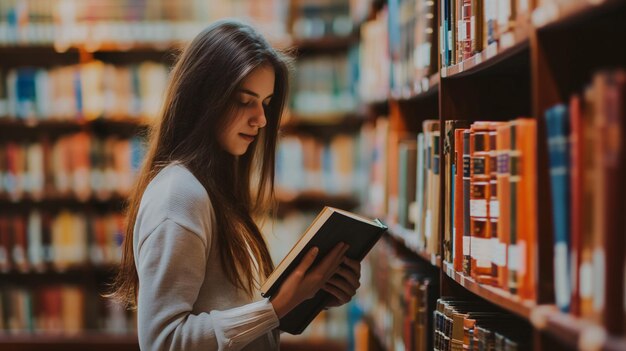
{"x": 329, "y": 228}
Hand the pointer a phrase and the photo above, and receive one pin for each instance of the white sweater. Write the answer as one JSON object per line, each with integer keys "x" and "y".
{"x": 185, "y": 301}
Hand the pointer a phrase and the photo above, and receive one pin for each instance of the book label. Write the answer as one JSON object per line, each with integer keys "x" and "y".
{"x": 499, "y": 253}
{"x": 494, "y": 209}
{"x": 561, "y": 276}
{"x": 478, "y": 165}
{"x": 513, "y": 257}
{"x": 521, "y": 265}
{"x": 467, "y": 242}
{"x": 478, "y": 208}
{"x": 599, "y": 270}
{"x": 481, "y": 252}
{"x": 586, "y": 280}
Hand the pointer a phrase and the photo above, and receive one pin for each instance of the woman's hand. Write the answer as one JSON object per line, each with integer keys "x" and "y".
{"x": 344, "y": 283}
{"x": 302, "y": 284}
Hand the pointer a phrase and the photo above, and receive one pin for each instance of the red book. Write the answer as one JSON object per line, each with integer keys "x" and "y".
{"x": 613, "y": 165}
{"x": 458, "y": 200}
{"x": 576, "y": 218}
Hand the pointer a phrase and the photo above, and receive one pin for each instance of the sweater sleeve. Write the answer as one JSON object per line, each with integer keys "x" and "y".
{"x": 171, "y": 263}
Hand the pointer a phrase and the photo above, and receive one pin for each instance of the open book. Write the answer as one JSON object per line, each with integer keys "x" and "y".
{"x": 330, "y": 227}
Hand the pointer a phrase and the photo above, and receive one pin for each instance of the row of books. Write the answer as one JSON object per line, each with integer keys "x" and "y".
{"x": 374, "y": 59}
{"x": 408, "y": 29}
{"x": 324, "y": 85}
{"x": 470, "y": 26}
{"x": 80, "y": 165}
{"x": 85, "y": 91}
{"x": 471, "y": 325}
{"x": 46, "y": 241}
{"x": 404, "y": 180}
{"x": 397, "y": 293}
{"x": 318, "y": 19}
{"x": 412, "y": 43}
{"x": 307, "y": 163}
{"x": 587, "y": 165}
{"x": 128, "y": 23}
{"x": 60, "y": 309}
{"x": 490, "y": 219}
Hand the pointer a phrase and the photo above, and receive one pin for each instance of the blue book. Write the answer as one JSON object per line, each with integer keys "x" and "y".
{"x": 26, "y": 93}
{"x": 557, "y": 122}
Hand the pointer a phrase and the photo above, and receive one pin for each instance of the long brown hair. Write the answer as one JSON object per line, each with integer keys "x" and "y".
{"x": 198, "y": 101}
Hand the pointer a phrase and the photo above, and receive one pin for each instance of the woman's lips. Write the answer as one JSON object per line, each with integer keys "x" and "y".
{"x": 247, "y": 137}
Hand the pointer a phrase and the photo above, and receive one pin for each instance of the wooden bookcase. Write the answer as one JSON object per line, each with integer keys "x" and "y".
{"x": 544, "y": 64}
{"x": 95, "y": 278}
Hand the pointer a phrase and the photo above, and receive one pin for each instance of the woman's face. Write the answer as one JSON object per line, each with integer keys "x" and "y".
{"x": 249, "y": 116}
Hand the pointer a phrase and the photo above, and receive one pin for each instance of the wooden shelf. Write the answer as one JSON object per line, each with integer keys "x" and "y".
{"x": 314, "y": 200}
{"x": 312, "y": 344}
{"x": 82, "y": 269}
{"x": 571, "y": 13}
{"x": 323, "y": 124}
{"x": 505, "y": 54}
{"x": 407, "y": 237}
{"x": 497, "y": 296}
{"x": 580, "y": 334}
{"x": 84, "y": 341}
{"x": 19, "y": 127}
{"x": 64, "y": 201}
{"x": 323, "y": 45}
{"x": 425, "y": 88}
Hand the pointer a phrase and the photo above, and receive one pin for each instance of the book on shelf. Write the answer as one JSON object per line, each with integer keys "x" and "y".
{"x": 462, "y": 325}
{"x": 399, "y": 293}
{"x": 60, "y": 309}
{"x": 557, "y": 130}
{"x": 587, "y": 198}
{"x": 85, "y": 91}
{"x": 79, "y": 166}
{"x": 57, "y": 241}
{"x": 407, "y": 150}
{"x": 483, "y": 201}
{"x": 309, "y": 163}
{"x": 450, "y": 180}
{"x": 328, "y": 229}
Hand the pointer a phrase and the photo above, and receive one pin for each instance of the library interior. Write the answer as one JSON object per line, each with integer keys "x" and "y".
{"x": 488, "y": 135}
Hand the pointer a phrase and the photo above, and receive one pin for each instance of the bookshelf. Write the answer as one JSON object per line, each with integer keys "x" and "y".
{"x": 130, "y": 50}
{"x": 554, "y": 51}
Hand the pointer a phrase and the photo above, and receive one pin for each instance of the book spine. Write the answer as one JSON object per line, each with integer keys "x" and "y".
{"x": 527, "y": 228}
{"x": 467, "y": 238}
{"x": 504, "y": 199}
{"x": 585, "y": 280}
{"x": 513, "y": 249}
{"x": 479, "y": 202}
{"x": 494, "y": 203}
{"x": 614, "y": 172}
{"x": 458, "y": 200}
{"x": 576, "y": 190}
{"x": 557, "y": 131}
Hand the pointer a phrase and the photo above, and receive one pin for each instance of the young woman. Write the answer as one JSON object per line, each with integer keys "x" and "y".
{"x": 193, "y": 257}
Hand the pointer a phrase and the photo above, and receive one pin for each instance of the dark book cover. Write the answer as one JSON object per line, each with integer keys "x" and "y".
{"x": 329, "y": 228}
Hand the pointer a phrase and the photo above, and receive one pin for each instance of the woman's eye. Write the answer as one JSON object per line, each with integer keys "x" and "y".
{"x": 245, "y": 103}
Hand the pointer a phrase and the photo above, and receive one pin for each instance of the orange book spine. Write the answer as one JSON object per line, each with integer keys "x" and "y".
{"x": 494, "y": 202}
{"x": 479, "y": 203}
{"x": 503, "y": 145}
{"x": 526, "y": 210}
{"x": 576, "y": 217}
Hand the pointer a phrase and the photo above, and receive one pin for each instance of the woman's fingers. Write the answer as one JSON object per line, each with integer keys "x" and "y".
{"x": 354, "y": 265}
{"x": 349, "y": 276}
{"x": 331, "y": 262}
{"x": 339, "y": 294}
{"x": 307, "y": 261}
